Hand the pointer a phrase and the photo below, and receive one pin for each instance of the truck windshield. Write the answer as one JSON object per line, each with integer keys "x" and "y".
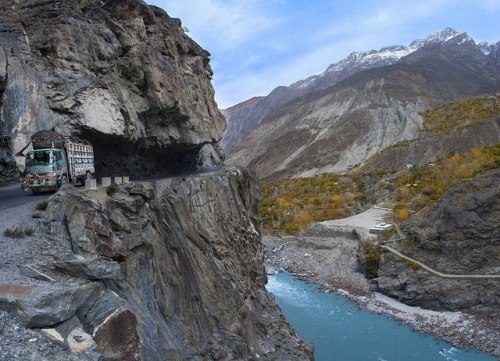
{"x": 40, "y": 158}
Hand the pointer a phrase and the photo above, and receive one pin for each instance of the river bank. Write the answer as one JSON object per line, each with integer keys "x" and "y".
{"x": 331, "y": 261}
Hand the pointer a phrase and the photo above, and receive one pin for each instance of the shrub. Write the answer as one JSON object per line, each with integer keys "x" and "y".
{"x": 112, "y": 189}
{"x": 403, "y": 214}
{"x": 372, "y": 259}
{"x": 302, "y": 219}
{"x": 413, "y": 265}
{"x": 41, "y": 206}
{"x": 410, "y": 244}
{"x": 388, "y": 233}
{"x": 337, "y": 200}
{"x": 18, "y": 232}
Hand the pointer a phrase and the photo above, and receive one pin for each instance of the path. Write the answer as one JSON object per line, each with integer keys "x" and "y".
{"x": 375, "y": 215}
{"x": 437, "y": 273}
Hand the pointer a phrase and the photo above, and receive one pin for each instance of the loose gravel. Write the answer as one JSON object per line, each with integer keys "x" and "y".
{"x": 36, "y": 250}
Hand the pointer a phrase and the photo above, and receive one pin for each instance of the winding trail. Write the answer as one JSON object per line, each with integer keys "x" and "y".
{"x": 437, "y": 273}
{"x": 365, "y": 220}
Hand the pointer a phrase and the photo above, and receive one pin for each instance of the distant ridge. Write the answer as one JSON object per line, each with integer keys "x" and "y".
{"x": 357, "y": 106}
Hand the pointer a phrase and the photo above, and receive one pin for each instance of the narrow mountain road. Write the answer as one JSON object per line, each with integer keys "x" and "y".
{"x": 437, "y": 273}
{"x": 13, "y": 196}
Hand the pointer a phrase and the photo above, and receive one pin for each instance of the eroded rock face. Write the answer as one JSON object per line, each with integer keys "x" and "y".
{"x": 192, "y": 279}
{"x": 459, "y": 234}
{"x": 120, "y": 73}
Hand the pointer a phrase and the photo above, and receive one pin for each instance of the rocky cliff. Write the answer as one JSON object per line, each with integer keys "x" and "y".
{"x": 170, "y": 270}
{"x": 459, "y": 234}
{"x": 122, "y": 74}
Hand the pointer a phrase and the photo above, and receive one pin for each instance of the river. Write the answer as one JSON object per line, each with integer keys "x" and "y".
{"x": 341, "y": 331}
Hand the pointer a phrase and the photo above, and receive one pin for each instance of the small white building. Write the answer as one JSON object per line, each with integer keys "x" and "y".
{"x": 381, "y": 227}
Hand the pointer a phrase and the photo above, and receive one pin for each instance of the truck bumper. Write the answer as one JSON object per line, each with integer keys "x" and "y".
{"x": 40, "y": 187}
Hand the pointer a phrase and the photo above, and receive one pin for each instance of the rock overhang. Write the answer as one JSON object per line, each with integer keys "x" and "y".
{"x": 119, "y": 69}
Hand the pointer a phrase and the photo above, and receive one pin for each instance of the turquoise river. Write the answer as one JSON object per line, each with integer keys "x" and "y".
{"x": 341, "y": 331}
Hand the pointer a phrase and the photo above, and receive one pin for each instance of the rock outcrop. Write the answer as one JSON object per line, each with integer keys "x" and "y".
{"x": 164, "y": 270}
{"x": 170, "y": 270}
{"x": 122, "y": 74}
{"x": 459, "y": 234}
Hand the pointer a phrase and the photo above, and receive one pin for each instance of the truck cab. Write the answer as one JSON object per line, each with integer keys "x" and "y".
{"x": 56, "y": 160}
{"x": 46, "y": 169}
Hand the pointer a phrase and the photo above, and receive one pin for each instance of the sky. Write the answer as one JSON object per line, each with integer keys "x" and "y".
{"x": 257, "y": 45}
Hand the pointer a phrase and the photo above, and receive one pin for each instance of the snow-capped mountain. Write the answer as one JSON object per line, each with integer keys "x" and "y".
{"x": 241, "y": 118}
{"x": 389, "y": 55}
{"x": 357, "y": 106}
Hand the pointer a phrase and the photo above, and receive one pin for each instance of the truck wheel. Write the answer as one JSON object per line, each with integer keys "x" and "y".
{"x": 64, "y": 180}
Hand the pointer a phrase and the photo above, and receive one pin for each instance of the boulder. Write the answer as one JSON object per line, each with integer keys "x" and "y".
{"x": 93, "y": 268}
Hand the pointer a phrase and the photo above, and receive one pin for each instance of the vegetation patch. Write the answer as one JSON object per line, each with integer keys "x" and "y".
{"x": 112, "y": 189}
{"x": 41, "y": 206}
{"x": 410, "y": 244}
{"x": 19, "y": 232}
{"x": 372, "y": 258}
{"x": 422, "y": 186}
{"x": 388, "y": 234}
{"x": 290, "y": 205}
{"x": 455, "y": 116}
{"x": 413, "y": 265}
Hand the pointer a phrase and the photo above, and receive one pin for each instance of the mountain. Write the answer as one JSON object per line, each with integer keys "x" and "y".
{"x": 358, "y": 106}
{"x": 244, "y": 116}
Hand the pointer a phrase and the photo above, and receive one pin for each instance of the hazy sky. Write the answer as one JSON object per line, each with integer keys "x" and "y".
{"x": 257, "y": 45}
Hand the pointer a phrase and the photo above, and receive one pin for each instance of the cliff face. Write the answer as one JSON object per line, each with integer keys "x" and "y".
{"x": 170, "y": 270}
{"x": 459, "y": 234}
{"x": 120, "y": 73}
{"x": 165, "y": 270}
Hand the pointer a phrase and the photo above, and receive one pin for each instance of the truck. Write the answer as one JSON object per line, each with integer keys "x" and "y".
{"x": 56, "y": 160}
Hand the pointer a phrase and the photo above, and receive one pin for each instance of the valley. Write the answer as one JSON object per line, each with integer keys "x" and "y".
{"x": 404, "y": 137}
{"x": 174, "y": 265}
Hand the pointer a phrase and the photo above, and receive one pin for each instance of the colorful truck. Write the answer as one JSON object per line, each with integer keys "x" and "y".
{"x": 56, "y": 160}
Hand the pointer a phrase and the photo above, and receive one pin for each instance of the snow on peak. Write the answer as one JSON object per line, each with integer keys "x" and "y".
{"x": 484, "y": 47}
{"x": 389, "y": 55}
{"x": 442, "y": 36}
